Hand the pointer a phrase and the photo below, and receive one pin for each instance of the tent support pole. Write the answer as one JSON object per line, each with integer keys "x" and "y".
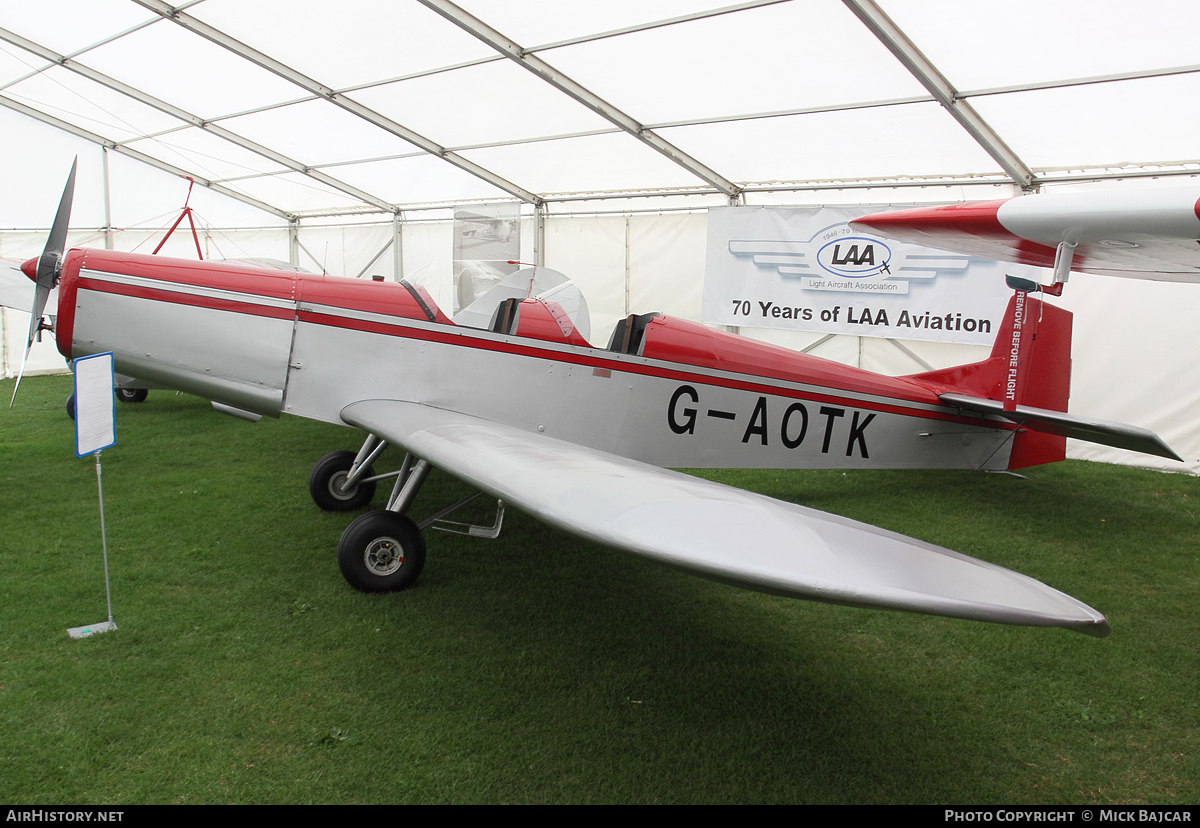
{"x": 539, "y": 234}
{"x": 397, "y": 246}
{"x": 294, "y": 242}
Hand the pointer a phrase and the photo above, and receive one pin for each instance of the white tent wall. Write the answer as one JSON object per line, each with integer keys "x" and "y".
{"x": 1134, "y": 360}
{"x": 450, "y": 117}
{"x": 592, "y": 252}
{"x": 347, "y": 250}
{"x": 43, "y": 357}
{"x": 216, "y": 243}
{"x": 426, "y": 254}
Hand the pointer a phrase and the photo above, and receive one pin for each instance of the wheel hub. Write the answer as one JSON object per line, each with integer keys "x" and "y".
{"x": 337, "y": 486}
{"x": 383, "y": 556}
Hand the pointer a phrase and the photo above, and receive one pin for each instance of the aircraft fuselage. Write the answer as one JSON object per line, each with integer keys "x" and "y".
{"x": 276, "y": 342}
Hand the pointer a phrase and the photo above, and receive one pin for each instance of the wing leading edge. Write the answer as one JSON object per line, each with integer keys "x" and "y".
{"x": 716, "y": 531}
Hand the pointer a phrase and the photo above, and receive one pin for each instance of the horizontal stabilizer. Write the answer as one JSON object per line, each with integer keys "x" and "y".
{"x": 1118, "y": 435}
{"x": 719, "y": 532}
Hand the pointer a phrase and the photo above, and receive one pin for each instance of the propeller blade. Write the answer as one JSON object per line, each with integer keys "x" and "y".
{"x": 39, "y": 306}
{"x": 48, "y": 267}
{"x": 48, "y": 264}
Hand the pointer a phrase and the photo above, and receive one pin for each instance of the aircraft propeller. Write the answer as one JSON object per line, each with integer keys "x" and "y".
{"x": 48, "y": 267}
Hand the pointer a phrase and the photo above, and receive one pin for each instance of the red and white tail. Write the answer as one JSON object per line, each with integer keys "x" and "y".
{"x": 1029, "y": 368}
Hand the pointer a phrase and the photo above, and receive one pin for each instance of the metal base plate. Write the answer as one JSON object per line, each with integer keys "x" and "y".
{"x": 92, "y": 629}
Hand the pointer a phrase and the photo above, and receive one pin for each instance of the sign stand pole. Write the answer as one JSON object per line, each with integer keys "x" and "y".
{"x": 110, "y": 624}
{"x": 95, "y": 431}
{"x": 104, "y": 543}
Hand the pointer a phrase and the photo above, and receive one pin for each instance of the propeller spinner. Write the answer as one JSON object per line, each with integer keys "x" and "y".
{"x": 49, "y": 265}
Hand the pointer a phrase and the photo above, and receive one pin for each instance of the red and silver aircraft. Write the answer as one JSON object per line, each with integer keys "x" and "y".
{"x": 1147, "y": 233}
{"x": 582, "y": 437}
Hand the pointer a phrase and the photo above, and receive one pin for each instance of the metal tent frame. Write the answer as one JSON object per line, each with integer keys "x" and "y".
{"x": 705, "y": 179}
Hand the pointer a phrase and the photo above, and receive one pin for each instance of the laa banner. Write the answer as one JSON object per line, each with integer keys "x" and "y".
{"x": 806, "y": 269}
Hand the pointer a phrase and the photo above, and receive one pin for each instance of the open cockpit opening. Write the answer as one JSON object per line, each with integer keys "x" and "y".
{"x": 629, "y": 334}
{"x": 505, "y": 319}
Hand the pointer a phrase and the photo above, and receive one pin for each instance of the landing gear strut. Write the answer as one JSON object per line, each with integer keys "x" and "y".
{"x": 383, "y": 550}
{"x": 343, "y": 481}
{"x": 328, "y": 483}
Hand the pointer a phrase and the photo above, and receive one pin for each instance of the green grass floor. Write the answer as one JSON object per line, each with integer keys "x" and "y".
{"x": 540, "y": 668}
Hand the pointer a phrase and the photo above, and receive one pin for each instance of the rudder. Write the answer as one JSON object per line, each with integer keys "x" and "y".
{"x": 1030, "y": 365}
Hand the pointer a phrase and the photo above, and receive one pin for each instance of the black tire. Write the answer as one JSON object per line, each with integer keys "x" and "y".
{"x": 131, "y": 395}
{"x": 331, "y": 470}
{"x": 71, "y": 406}
{"x": 381, "y": 551}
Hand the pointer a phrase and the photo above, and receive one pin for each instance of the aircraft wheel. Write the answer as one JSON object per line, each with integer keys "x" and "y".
{"x": 131, "y": 395}
{"x": 381, "y": 551}
{"x": 71, "y": 406}
{"x": 324, "y": 484}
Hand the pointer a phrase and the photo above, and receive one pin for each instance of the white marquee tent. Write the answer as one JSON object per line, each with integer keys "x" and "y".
{"x": 342, "y": 136}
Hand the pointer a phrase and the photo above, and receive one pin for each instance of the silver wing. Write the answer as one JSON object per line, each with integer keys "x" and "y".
{"x": 715, "y": 531}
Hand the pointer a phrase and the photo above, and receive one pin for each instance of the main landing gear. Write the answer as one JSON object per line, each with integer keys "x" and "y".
{"x": 383, "y": 550}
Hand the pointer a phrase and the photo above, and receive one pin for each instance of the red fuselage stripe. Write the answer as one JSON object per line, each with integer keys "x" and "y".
{"x": 180, "y": 298}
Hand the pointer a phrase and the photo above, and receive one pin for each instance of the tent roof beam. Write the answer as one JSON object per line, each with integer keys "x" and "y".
{"x": 564, "y": 84}
{"x": 79, "y": 132}
{"x": 924, "y": 71}
{"x": 286, "y": 72}
{"x": 188, "y": 118}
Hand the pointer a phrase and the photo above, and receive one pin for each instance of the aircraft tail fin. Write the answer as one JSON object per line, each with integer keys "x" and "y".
{"x": 1029, "y": 367}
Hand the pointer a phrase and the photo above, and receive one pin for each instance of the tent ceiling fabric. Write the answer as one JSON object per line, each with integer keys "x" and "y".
{"x": 372, "y": 106}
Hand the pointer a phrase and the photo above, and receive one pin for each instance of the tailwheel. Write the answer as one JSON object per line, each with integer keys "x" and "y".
{"x": 381, "y": 551}
{"x": 327, "y": 482}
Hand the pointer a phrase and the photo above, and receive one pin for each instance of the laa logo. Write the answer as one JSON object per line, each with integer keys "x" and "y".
{"x": 855, "y": 257}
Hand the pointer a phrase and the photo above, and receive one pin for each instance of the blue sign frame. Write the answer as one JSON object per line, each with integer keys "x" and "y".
{"x": 95, "y": 404}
